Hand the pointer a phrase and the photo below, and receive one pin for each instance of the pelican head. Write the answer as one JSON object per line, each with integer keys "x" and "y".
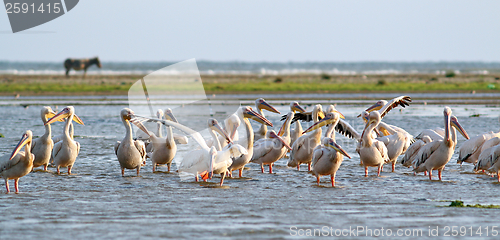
{"x": 169, "y": 115}
{"x": 295, "y": 107}
{"x": 65, "y": 113}
{"x": 127, "y": 115}
{"x": 319, "y": 110}
{"x": 377, "y": 106}
{"x": 26, "y": 138}
{"x": 47, "y": 112}
{"x": 214, "y": 125}
{"x": 454, "y": 122}
{"x": 328, "y": 142}
{"x": 159, "y": 114}
{"x": 248, "y": 112}
{"x": 332, "y": 117}
{"x": 231, "y": 124}
{"x": 272, "y": 134}
{"x": 262, "y": 104}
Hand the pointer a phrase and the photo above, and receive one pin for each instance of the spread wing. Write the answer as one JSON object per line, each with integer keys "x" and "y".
{"x": 402, "y": 101}
{"x": 304, "y": 117}
{"x": 347, "y": 130}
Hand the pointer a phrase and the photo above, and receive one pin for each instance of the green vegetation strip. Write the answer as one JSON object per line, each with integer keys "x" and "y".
{"x": 458, "y": 203}
{"x": 261, "y": 86}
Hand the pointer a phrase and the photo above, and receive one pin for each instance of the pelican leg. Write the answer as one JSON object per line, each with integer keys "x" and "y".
{"x": 138, "y": 170}
{"x": 439, "y": 174}
{"x": 7, "y": 185}
{"x": 69, "y": 170}
{"x": 58, "y": 172}
{"x": 222, "y": 175}
{"x": 262, "y": 168}
{"x": 393, "y": 166}
{"x": 333, "y": 179}
{"x": 154, "y": 167}
{"x": 16, "y": 184}
{"x": 271, "y": 168}
{"x": 298, "y": 167}
{"x": 379, "y": 170}
{"x": 309, "y": 167}
{"x": 317, "y": 179}
{"x": 425, "y": 173}
{"x": 168, "y": 166}
{"x": 240, "y": 174}
{"x": 498, "y": 176}
{"x": 123, "y": 172}
{"x": 45, "y": 167}
{"x": 196, "y": 177}
{"x": 430, "y": 175}
{"x": 366, "y": 171}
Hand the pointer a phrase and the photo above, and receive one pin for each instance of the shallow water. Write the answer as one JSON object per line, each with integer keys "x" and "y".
{"x": 96, "y": 202}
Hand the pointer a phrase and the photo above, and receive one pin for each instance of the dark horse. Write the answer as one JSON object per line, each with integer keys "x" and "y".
{"x": 79, "y": 64}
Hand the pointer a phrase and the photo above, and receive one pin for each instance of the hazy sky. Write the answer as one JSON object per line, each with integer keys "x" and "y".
{"x": 271, "y": 30}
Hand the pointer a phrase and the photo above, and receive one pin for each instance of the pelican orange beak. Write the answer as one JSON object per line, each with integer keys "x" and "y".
{"x": 250, "y": 113}
{"x": 337, "y": 148}
{"x": 132, "y": 118}
{"x": 264, "y": 105}
{"x": 454, "y": 122}
{"x": 274, "y": 135}
{"x": 297, "y": 108}
{"x": 384, "y": 131}
{"x": 24, "y": 140}
{"x": 51, "y": 114}
{"x": 216, "y": 127}
{"x": 65, "y": 113}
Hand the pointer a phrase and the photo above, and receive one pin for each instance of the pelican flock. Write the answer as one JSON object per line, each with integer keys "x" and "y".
{"x": 229, "y": 150}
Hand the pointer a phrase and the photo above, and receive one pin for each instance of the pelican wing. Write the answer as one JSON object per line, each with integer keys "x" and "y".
{"x": 411, "y": 153}
{"x": 262, "y": 148}
{"x": 317, "y": 154}
{"x": 425, "y": 152}
{"x": 6, "y": 164}
{"x": 117, "y": 145}
{"x": 435, "y": 136}
{"x": 56, "y": 149}
{"x": 382, "y": 149}
{"x": 495, "y": 155}
{"x": 194, "y": 158}
{"x": 304, "y": 117}
{"x": 140, "y": 147}
{"x": 347, "y": 130}
{"x": 180, "y": 139}
{"x": 77, "y": 148}
{"x": 471, "y": 146}
{"x": 402, "y": 101}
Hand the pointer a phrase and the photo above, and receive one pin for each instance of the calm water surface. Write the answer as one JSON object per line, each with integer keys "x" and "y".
{"x": 96, "y": 202}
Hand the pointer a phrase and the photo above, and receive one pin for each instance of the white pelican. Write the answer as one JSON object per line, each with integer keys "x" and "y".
{"x": 302, "y": 149}
{"x": 327, "y": 159}
{"x": 383, "y": 106}
{"x": 436, "y": 154}
{"x": 487, "y": 151}
{"x": 373, "y": 153}
{"x": 262, "y": 104}
{"x": 429, "y": 135}
{"x": 19, "y": 164}
{"x": 131, "y": 154}
{"x": 471, "y": 149}
{"x": 164, "y": 148}
{"x": 65, "y": 151}
{"x": 297, "y": 131}
{"x": 269, "y": 150}
{"x": 246, "y": 113}
{"x": 42, "y": 146}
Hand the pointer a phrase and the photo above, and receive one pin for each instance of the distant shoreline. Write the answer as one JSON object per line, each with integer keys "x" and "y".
{"x": 36, "y": 85}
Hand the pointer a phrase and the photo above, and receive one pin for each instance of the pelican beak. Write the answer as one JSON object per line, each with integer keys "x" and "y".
{"x": 274, "y": 135}
{"x": 384, "y": 131}
{"x": 222, "y": 132}
{"x": 170, "y": 116}
{"x": 321, "y": 115}
{"x": 77, "y": 119}
{"x": 298, "y": 108}
{"x": 341, "y": 115}
{"x": 337, "y": 147}
{"x": 454, "y": 122}
{"x": 138, "y": 124}
{"x": 250, "y": 113}
{"x": 22, "y": 142}
{"x": 323, "y": 122}
{"x": 265, "y": 105}
{"x": 60, "y": 116}
{"x": 374, "y": 107}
